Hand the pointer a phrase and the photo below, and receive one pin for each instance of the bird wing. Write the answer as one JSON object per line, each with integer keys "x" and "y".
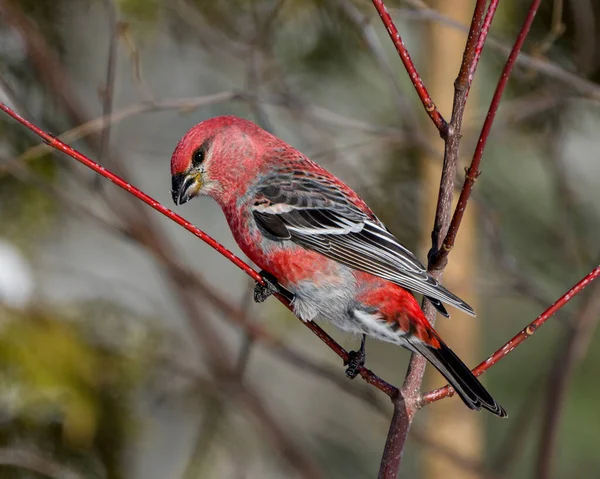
{"x": 312, "y": 211}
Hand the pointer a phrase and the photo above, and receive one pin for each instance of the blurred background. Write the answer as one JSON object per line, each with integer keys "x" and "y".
{"x": 129, "y": 349}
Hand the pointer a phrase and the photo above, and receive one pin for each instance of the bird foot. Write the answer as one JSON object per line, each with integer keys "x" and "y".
{"x": 263, "y": 291}
{"x": 356, "y": 360}
{"x": 271, "y": 286}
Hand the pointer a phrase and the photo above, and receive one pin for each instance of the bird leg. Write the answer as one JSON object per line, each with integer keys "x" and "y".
{"x": 271, "y": 286}
{"x": 356, "y": 359}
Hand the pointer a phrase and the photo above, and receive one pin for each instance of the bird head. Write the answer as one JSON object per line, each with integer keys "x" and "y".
{"x": 217, "y": 157}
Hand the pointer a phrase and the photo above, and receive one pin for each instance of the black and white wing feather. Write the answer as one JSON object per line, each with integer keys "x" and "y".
{"x": 313, "y": 212}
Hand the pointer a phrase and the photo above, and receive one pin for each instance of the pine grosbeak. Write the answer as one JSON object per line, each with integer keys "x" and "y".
{"x": 311, "y": 234}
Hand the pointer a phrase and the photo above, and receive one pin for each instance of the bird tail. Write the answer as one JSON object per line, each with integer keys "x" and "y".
{"x": 460, "y": 377}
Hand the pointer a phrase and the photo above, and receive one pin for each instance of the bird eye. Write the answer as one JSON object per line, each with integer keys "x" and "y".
{"x": 198, "y": 157}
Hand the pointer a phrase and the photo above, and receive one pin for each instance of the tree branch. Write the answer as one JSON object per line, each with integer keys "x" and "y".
{"x": 415, "y": 78}
{"x": 568, "y": 354}
{"x": 107, "y": 92}
{"x": 57, "y": 144}
{"x": 408, "y": 401}
{"x": 541, "y": 65}
{"x": 462, "y": 86}
{"x": 519, "y": 338}
{"x": 472, "y": 172}
{"x": 49, "y": 67}
{"x": 401, "y": 421}
{"x": 363, "y": 23}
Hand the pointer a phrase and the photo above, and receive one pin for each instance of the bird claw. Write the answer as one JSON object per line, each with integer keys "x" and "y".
{"x": 356, "y": 360}
{"x": 271, "y": 286}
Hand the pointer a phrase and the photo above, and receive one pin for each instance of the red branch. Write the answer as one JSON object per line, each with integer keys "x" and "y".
{"x": 415, "y": 78}
{"x": 475, "y": 40}
{"x": 472, "y": 171}
{"x": 518, "y": 339}
{"x": 404, "y": 411}
{"x": 57, "y": 144}
{"x": 462, "y": 85}
{"x": 485, "y": 28}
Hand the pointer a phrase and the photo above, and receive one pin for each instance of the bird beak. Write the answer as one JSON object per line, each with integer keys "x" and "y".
{"x": 184, "y": 187}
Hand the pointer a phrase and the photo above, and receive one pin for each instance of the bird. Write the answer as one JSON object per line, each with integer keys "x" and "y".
{"x": 318, "y": 243}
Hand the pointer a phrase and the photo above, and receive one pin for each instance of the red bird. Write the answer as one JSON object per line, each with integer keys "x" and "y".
{"x": 312, "y": 235}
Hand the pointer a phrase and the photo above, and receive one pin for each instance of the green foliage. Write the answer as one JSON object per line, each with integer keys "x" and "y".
{"x": 55, "y": 374}
{"x": 145, "y": 11}
{"x": 26, "y": 212}
{"x": 66, "y": 385}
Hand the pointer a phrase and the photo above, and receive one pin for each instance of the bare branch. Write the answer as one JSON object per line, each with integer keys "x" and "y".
{"x": 404, "y": 109}
{"x": 524, "y": 334}
{"x": 394, "y": 444}
{"x": 107, "y": 91}
{"x": 585, "y": 87}
{"x": 57, "y": 144}
{"x": 462, "y": 85}
{"x": 401, "y": 421}
{"x": 472, "y": 172}
{"x": 430, "y": 108}
{"x": 570, "y": 352}
{"x": 36, "y": 462}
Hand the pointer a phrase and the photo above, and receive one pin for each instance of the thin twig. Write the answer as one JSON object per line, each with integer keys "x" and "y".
{"x": 483, "y": 34}
{"x": 57, "y": 144}
{"x": 472, "y": 172}
{"x": 543, "y": 66}
{"x": 574, "y": 249}
{"x": 363, "y": 24}
{"x": 107, "y": 92}
{"x": 213, "y": 348}
{"x": 136, "y": 63}
{"x": 405, "y": 410}
{"x": 415, "y": 78}
{"x": 569, "y": 353}
{"x": 214, "y": 414}
{"x": 237, "y": 316}
{"x": 524, "y": 334}
{"x": 475, "y": 41}
{"x": 189, "y": 104}
{"x": 506, "y": 262}
{"x": 462, "y": 86}
{"x": 557, "y": 29}
{"x": 98, "y": 124}
{"x": 248, "y": 340}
